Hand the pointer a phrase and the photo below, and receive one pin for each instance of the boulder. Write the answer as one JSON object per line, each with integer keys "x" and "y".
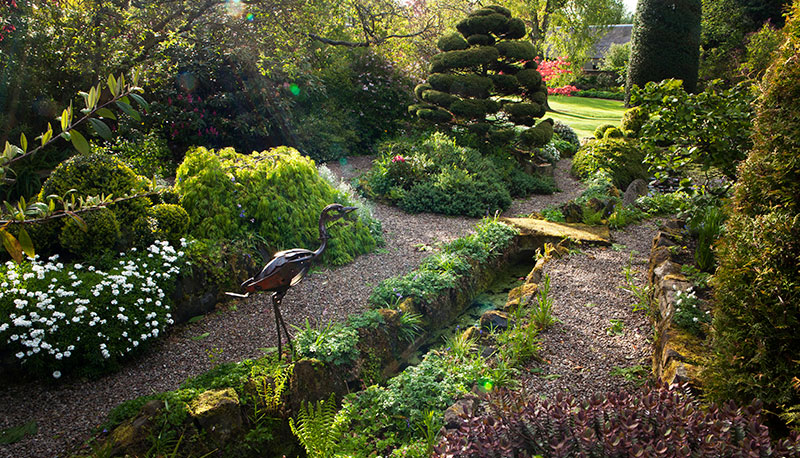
{"x": 636, "y": 189}
{"x": 218, "y": 413}
{"x": 454, "y": 415}
{"x": 312, "y": 381}
{"x": 496, "y": 320}
{"x": 521, "y": 295}
{"x": 573, "y": 213}
{"x": 132, "y": 436}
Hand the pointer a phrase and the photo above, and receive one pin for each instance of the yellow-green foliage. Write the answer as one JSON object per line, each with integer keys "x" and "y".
{"x": 757, "y": 283}
{"x": 171, "y": 222}
{"x": 102, "y": 233}
{"x": 620, "y": 158}
{"x": 275, "y": 196}
{"x": 94, "y": 175}
{"x": 318, "y": 427}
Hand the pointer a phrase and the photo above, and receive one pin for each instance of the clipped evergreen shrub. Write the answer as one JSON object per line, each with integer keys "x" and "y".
{"x": 496, "y": 62}
{"x": 633, "y": 120}
{"x": 274, "y": 196}
{"x": 757, "y": 316}
{"x": 665, "y": 43}
{"x": 613, "y": 133}
{"x": 95, "y": 175}
{"x": 171, "y": 222}
{"x": 621, "y": 159}
{"x": 600, "y": 131}
{"x": 101, "y": 235}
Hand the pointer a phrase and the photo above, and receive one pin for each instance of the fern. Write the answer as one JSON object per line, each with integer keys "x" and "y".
{"x": 318, "y": 427}
{"x": 270, "y": 393}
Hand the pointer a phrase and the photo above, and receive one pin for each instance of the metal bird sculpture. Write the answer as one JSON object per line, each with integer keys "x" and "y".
{"x": 287, "y": 268}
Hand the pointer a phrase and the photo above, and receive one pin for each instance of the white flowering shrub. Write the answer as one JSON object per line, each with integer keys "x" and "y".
{"x": 690, "y": 314}
{"x": 550, "y": 153}
{"x": 56, "y": 316}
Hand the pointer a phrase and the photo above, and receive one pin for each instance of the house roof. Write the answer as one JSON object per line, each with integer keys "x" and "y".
{"x": 617, "y": 34}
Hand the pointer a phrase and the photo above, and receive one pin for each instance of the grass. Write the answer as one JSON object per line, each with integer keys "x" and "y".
{"x": 584, "y": 114}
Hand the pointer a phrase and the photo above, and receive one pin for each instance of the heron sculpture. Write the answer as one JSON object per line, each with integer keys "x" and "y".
{"x": 287, "y": 268}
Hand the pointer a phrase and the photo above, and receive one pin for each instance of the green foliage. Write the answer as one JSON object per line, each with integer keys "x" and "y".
{"x": 634, "y": 119}
{"x": 383, "y": 418}
{"x": 643, "y": 294}
{"x": 688, "y": 315}
{"x": 17, "y": 433}
{"x": 57, "y": 317}
{"x": 230, "y": 195}
{"x": 491, "y": 61}
{"x": 760, "y": 48}
{"x": 520, "y": 344}
{"x": 757, "y": 281}
{"x": 616, "y": 60}
{"x": 332, "y": 344}
{"x": 711, "y": 129}
{"x": 665, "y": 43}
{"x": 621, "y": 159}
{"x": 101, "y": 235}
{"x": 708, "y": 226}
{"x": 542, "y": 311}
{"x": 442, "y": 271}
{"x": 317, "y": 427}
{"x": 613, "y": 133}
{"x": 435, "y": 174}
{"x": 146, "y": 153}
{"x": 566, "y": 133}
{"x": 537, "y": 136}
{"x": 171, "y": 222}
{"x": 600, "y": 131}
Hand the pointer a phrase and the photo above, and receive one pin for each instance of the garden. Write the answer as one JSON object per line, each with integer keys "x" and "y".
{"x": 382, "y": 229}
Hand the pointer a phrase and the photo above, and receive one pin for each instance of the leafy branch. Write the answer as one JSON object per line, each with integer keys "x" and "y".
{"x": 121, "y": 94}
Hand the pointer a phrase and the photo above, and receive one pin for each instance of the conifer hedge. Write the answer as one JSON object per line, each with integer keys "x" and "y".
{"x": 756, "y": 322}
{"x": 665, "y": 43}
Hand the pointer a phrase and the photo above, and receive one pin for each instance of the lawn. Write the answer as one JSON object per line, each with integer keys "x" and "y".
{"x": 584, "y": 114}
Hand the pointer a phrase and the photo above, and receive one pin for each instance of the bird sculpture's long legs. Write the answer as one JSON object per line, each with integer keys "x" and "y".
{"x": 279, "y": 323}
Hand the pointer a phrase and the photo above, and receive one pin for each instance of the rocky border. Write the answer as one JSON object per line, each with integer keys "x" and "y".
{"x": 677, "y": 355}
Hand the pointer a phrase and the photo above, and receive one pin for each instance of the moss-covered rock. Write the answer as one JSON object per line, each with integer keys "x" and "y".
{"x": 218, "y": 413}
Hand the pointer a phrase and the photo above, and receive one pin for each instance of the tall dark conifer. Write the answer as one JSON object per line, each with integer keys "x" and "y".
{"x": 665, "y": 43}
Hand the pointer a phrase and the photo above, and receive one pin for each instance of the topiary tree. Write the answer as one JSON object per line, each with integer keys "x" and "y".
{"x": 665, "y": 43}
{"x": 485, "y": 79}
{"x": 756, "y": 342}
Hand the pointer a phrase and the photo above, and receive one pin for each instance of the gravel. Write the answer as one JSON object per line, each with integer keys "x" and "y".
{"x": 67, "y": 411}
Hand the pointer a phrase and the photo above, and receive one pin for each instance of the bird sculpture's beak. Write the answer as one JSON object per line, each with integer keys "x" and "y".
{"x": 348, "y": 209}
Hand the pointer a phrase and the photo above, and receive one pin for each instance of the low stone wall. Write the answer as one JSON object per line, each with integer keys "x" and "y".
{"x": 677, "y": 354}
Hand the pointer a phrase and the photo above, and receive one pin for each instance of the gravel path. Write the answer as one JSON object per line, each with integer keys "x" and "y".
{"x": 580, "y": 351}
{"x": 67, "y": 411}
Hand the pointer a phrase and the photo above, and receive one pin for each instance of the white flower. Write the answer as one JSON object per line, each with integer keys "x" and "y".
{"x": 56, "y": 374}
{"x": 3, "y": 327}
{"x": 20, "y": 355}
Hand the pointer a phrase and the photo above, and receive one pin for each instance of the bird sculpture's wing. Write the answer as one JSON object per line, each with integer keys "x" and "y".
{"x": 285, "y": 269}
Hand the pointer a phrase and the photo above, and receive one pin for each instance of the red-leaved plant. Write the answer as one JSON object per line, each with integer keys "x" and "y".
{"x": 657, "y": 422}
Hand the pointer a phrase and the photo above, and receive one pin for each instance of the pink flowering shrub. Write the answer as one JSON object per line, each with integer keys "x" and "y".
{"x": 567, "y": 90}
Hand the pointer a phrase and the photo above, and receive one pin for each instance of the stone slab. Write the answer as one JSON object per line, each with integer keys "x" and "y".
{"x": 538, "y": 228}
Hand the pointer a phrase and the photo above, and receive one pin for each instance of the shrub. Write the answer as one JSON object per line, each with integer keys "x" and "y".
{"x": 665, "y": 43}
{"x": 621, "y": 159}
{"x": 332, "y": 344}
{"x": 57, "y": 318}
{"x": 711, "y": 129}
{"x": 95, "y": 175}
{"x": 101, "y": 235}
{"x": 633, "y": 119}
{"x": 657, "y": 422}
{"x": 567, "y": 133}
{"x": 434, "y": 174}
{"x": 146, "y": 153}
{"x": 490, "y": 60}
{"x": 171, "y": 222}
{"x": 600, "y": 131}
{"x": 274, "y": 196}
{"x": 756, "y": 343}
{"x": 613, "y": 133}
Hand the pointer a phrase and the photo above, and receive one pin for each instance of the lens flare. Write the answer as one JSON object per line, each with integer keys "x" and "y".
{"x": 234, "y": 7}
{"x": 250, "y": 17}
{"x": 486, "y": 385}
{"x": 187, "y": 81}
{"x": 294, "y": 89}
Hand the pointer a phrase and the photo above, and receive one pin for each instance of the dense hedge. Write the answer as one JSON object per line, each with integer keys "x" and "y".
{"x": 756, "y": 343}
{"x": 274, "y": 197}
{"x": 665, "y": 43}
{"x": 621, "y": 158}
